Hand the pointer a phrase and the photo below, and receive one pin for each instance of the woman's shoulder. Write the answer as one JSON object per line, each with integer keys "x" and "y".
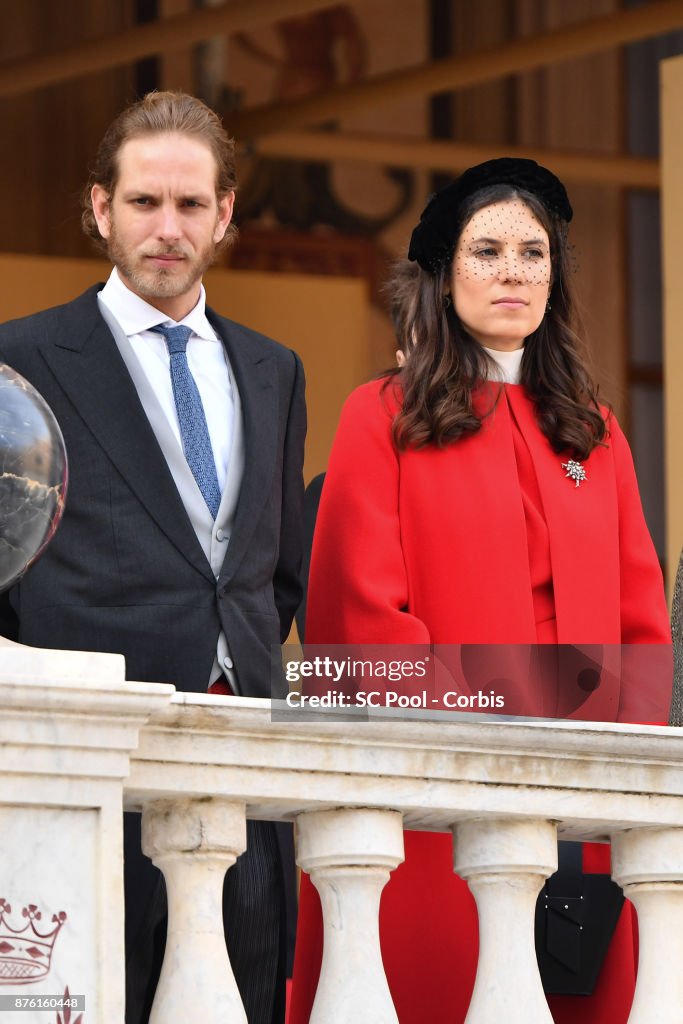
{"x": 367, "y": 417}
{"x": 614, "y": 446}
{"x": 380, "y": 397}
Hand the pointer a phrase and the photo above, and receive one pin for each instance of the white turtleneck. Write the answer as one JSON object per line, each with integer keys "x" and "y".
{"x": 508, "y": 366}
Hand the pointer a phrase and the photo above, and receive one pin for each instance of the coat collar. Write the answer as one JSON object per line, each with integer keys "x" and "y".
{"x": 583, "y": 572}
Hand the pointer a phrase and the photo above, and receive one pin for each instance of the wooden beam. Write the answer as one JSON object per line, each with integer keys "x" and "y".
{"x": 175, "y": 33}
{"x": 650, "y": 374}
{"x": 451, "y": 157}
{"x": 464, "y": 70}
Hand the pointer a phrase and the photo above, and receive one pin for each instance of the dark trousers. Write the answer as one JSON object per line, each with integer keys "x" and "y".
{"x": 253, "y": 913}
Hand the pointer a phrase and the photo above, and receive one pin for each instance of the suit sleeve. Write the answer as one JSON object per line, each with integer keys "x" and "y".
{"x": 286, "y": 581}
{"x": 645, "y": 631}
{"x": 677, "y": 631}
{"x": 358, "y": 590}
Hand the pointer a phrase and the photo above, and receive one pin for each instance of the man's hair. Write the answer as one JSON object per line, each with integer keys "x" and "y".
{"x": 155, "y": 114}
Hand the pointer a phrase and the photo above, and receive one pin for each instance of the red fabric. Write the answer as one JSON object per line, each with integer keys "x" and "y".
{"x": 455, "y": 545}
{"x": 222, "y": 688}
{"x": 431, "y": 964}
{"x": 431, "y": 546}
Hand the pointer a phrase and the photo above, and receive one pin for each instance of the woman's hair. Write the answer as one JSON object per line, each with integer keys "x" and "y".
{"x": 158, "y": 113}
{"x": 446, "y": 364}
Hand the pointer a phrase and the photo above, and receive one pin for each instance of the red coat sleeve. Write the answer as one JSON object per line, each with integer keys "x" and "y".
{"x": 647, "y": 660}
{"x": 358, "y": 590}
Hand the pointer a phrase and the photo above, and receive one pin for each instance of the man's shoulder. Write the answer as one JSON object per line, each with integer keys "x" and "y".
{"x": 38, "y": 325}
{"x": 256, "y": 341}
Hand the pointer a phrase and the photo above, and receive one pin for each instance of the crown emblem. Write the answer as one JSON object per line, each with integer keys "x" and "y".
{"x": 26, "y": 952}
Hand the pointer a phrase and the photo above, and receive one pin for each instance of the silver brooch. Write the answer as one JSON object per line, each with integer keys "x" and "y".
{"x": 575, "y": 471}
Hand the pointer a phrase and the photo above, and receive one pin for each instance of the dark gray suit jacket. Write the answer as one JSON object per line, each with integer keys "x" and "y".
{"x": 125, "y": 571}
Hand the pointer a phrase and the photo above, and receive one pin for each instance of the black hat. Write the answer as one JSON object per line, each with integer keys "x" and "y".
{"x": 434, "y": 238}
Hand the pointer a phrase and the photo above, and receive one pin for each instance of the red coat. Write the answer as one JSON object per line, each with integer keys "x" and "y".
{"x": 432, "y": 546}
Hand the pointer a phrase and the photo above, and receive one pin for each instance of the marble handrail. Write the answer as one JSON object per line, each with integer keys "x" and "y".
{"x": 506, "y": 789}
{"x": 78, "y": 741}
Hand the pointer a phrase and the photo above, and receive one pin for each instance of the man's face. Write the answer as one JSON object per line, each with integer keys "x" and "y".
{"x": 164, "y": 220}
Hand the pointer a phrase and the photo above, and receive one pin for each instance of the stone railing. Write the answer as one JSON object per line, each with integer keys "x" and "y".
{"x": 79, "y": 742}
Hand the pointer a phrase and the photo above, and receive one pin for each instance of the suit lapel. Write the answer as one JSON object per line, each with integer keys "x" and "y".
{"x": 255, "y": 374}
{"x": 85, "y": 360}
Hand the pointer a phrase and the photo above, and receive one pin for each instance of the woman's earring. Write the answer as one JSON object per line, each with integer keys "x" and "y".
{"x": 548, "y": 307}
{"x": 446, "y": 300}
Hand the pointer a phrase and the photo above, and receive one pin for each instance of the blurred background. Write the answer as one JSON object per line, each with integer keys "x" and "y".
{"x": 347, "y": 116}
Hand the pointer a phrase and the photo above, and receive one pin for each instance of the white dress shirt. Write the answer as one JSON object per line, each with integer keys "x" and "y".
{"x": 205, "y": 355}
{"x": 130, "y": 318}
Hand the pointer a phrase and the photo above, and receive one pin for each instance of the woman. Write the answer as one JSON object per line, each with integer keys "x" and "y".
{"x": 479, "y": 494}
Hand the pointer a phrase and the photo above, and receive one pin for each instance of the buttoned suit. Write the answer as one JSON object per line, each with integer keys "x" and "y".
{"x": 126, "y": 571}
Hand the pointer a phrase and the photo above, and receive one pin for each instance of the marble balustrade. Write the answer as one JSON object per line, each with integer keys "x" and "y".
{"x": 78, "y": 742}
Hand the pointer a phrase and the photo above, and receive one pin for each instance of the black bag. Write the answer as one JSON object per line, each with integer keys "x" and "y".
{"x": 576, "y": 915}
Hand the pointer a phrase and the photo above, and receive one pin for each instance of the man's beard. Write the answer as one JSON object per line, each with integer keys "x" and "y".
{"x": 159, "y": 282}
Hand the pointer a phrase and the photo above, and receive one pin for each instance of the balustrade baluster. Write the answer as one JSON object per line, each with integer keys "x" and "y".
{"x": 194, "y": 842}
{"x": 505, "y": 862}
{"x": 349, "y": 855}
{"x": 648, "y": 864}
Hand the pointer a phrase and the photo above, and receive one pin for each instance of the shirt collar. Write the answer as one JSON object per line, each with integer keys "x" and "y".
{"x": 135, "y": 315}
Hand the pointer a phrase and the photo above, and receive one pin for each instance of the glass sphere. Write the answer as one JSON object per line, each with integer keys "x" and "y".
{"x": 33, "y": 475}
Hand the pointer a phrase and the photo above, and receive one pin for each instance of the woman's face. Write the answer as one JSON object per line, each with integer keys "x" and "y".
{"x": 501, "y": 274}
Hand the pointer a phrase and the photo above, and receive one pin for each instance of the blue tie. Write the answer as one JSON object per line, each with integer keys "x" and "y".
{"x": 194, "y": 432}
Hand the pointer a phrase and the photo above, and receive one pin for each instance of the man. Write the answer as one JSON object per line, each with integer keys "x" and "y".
{"x": 180, "y": 544}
